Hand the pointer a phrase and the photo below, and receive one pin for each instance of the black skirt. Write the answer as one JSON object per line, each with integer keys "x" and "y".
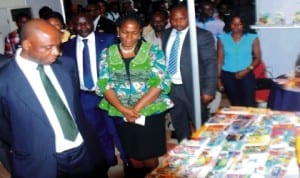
{"x": 143, "y": 142}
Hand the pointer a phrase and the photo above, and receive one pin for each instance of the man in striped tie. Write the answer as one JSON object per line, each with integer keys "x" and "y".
{"x": 176, "y": 45}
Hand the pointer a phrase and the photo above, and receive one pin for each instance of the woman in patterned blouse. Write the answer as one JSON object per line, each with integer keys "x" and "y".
{"x": 135, "y": 83}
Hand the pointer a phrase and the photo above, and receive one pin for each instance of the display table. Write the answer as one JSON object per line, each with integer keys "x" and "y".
{"x": 237, "y": 142}
{"x": 283, "y": 96}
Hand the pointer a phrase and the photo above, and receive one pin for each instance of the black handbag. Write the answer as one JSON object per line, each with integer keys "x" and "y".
{"x": 263, "y": 83}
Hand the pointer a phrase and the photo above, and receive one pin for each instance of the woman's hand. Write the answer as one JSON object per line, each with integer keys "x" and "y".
{"x": 130, "y": 114}
{"x": 241, "y": 74}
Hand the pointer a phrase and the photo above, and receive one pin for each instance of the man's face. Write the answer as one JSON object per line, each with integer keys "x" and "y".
{"x": 83, "y": 25}
{"x": 93, "y": 10}
{"x": 44, "y": 47}
{"x": 158, "y": 22}
{"x": 21, "y": 22}
{"x": 179, "y": 19}
{"x": 102, "y": 8}
{"x": 207, "y": 11}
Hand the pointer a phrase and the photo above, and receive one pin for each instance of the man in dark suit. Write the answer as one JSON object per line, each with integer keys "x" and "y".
{"x": 4, "y": 147}
{"x": 97, "y": 41}
{"x": 101, "y": 23}
{"x": 44, "y": 144}
{"x": 182, "y": 85}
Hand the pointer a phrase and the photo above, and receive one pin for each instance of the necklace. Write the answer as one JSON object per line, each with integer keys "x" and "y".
{"x": 126, "y": 50}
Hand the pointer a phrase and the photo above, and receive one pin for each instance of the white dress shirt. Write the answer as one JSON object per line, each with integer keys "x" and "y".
{"x": 93, "y": 60}
{"x": 152, "y": 38}
{"x": 176, "y": 78}
{"x": 29, "y": 68}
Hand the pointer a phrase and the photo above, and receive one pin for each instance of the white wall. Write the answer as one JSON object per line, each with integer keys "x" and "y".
{"x": 280, "y": 44}
{"x": 56, "y": 5}
{"x": 12, "y": 3}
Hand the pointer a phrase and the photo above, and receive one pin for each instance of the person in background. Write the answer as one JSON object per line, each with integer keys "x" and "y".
{"x": 44, "y": 12}
{"x": 114, "y": 11}
{"x": 56, "y": 19}
{"x": 101, "y": 23}
{"x": 128, "y": 6}
{"x": 134, "y": 82}
{"x": 158, "y": 22}
{"x": 238, "y": 55}
{"x": 91, "y": 43}
{"x": 224, "y": 13}
{"x": 12, "y": 40}
{"x": 176, "y": 45}
{"x": 102, "y": 5}
{"x": 48, "y": 137}
{"x": 208, "y": 21}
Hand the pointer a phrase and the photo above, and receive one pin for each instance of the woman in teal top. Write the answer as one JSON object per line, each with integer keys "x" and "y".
{"x": 238, "y": 54}
{"x": 135, "y": 83}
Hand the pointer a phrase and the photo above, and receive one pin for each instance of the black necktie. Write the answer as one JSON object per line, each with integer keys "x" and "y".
{"x": 67, "y": 124}
{"x": 87, "y": 75}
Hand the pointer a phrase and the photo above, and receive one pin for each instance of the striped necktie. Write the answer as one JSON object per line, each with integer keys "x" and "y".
{"x": 172, "y": 66}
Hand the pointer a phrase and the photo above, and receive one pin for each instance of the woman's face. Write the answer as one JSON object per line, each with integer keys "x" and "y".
{"x": 129, "y": 32}
{"x": 56, "y": 23}
{"x": 236, "y": 25}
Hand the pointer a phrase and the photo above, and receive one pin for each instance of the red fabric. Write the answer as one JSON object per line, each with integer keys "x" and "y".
{"x": 260, "y": 72}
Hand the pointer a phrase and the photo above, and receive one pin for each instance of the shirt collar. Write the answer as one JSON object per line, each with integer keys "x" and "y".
{"x": 23, "y": 62}
{"x": 89, "y": 37}
{"x": 183, "y": 32}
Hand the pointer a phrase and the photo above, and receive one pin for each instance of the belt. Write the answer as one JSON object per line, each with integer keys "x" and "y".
{"x": 88, "y": 92}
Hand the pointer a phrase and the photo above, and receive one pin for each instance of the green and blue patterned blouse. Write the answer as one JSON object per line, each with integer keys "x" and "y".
{"x": 147, "y": 69}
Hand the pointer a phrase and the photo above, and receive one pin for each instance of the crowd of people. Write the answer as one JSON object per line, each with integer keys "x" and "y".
{"x": 116, "y": 74}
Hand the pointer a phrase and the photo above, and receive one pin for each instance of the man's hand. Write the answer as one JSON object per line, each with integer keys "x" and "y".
{"x": 206, "y": 98}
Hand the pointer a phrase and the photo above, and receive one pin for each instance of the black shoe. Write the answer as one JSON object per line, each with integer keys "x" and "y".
{"x": 173, "y": 135}
{"x": 128, "y": 170}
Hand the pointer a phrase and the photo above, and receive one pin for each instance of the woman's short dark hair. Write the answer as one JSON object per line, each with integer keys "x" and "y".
{"x": 56, "y": 15}
{"x": 244, "y": 21}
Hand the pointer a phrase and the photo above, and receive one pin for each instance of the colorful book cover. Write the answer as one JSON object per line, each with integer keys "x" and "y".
{"x": 225, "y": 160}
{"x": 164, "y": 171}
{"x": 249, "y": 164}
{"x": 186, "y": 150}
{"x": 242, "y": 124}
{"x": 221, "y": 119}
{"x": 280, "y": 117}
{"x": 233, "y": 145}
{"x": 277, "y": 162}
{"x": 213, "y": 129}
{"x": 283, "y": 135}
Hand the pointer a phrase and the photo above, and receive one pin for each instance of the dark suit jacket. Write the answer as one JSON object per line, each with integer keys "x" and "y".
{"x": 30, "y": 134}
{"x": 4, "y": 147}
{"x": 102, "y": 40}
{"x": 207, "y": 61}
{"x": 105, "y": 25}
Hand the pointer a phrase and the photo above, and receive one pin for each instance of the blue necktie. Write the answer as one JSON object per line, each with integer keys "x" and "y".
{"x": 172, "y": 66}
{"x": 87, "y": 75}
{"x": 66, "y": 121}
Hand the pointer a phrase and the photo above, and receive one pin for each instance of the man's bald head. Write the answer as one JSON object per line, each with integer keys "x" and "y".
{"x": 35, "y": 27}
{"x": 40, "y": 41}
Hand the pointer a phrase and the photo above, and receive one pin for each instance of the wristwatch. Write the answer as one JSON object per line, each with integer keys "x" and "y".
{"x": 251, "y": 67}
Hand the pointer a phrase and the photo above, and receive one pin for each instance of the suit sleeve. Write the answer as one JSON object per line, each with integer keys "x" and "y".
{"x": 208, "y": 62}
{"x": 4, "y": 114}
